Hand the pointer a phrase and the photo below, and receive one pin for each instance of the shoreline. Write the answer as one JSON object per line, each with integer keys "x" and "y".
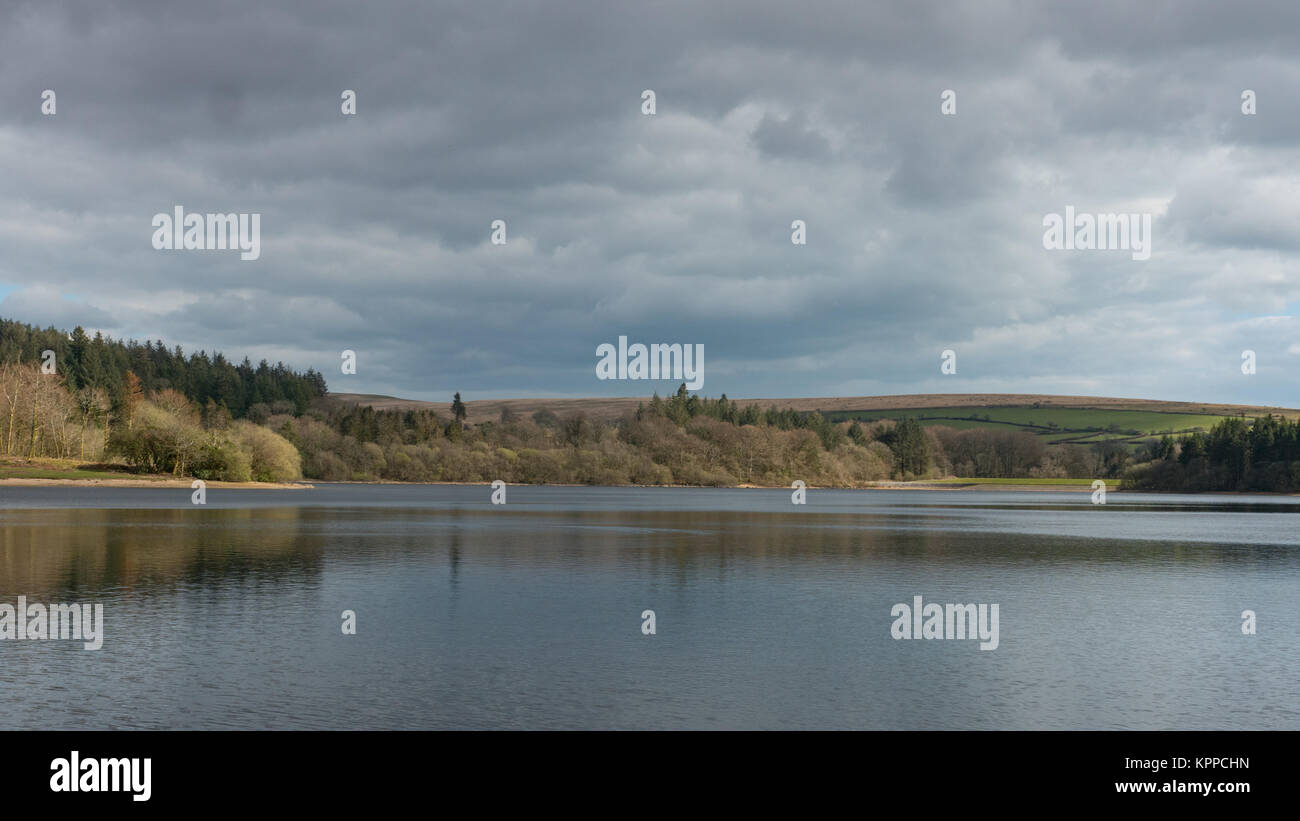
{"x": 882, "y": 485}
{"x": 973, "y": 485}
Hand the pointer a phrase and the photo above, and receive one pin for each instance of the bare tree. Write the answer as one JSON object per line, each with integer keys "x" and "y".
{"x": 11, "y": 383}
{"x": 92, "y": 407}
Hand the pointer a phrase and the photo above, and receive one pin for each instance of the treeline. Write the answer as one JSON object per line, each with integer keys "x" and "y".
{"x": 203, "y": 416}
{"x": 342, "y": 442}
{"x": 683, "y": 439}
{"x": 1234, "y": 456}
{"x": 72, "y": 396}
{"x": 102, "y": 363}
{"x": 41, "y": 416}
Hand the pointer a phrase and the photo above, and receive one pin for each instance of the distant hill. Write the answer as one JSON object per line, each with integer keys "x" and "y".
{"x": 1006, "y": 411}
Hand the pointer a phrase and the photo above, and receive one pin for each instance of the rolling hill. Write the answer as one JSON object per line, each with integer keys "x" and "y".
{"x": 1072, "y": 419}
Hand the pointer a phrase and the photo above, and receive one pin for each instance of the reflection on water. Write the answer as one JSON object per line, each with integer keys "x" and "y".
{"x": 768, "y": 615}
{"x": 45, "y": 553}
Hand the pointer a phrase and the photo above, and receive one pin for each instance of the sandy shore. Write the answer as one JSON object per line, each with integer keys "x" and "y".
{"x": 1110, "y": 488}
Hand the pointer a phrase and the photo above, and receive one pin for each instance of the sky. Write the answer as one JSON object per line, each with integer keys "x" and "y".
{"x": 924, "y": 228}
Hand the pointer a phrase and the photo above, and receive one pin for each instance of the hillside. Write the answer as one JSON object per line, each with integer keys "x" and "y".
{"x": 1008, "y": 410}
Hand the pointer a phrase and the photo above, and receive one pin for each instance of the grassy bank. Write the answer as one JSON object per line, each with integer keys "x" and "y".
{"x": 74, "y": 473}
{"x": 11, "y": 468}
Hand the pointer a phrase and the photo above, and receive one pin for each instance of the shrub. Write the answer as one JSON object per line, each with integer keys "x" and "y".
{"x": 223, "y": 460}
{"x": 272, "y": 457}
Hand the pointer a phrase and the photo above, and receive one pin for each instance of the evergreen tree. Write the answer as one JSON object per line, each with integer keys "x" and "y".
{"x": 458, "y": 410}
{"x": 856, "y": 433}
{"x": 911, "y": 448}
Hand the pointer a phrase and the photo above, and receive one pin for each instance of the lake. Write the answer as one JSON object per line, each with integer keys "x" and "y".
{"x": 1126, "y": 615}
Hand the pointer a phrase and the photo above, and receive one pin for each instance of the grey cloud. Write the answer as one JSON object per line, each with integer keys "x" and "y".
{"x": 924, "y": 231}
{"x": 790, "y": 137}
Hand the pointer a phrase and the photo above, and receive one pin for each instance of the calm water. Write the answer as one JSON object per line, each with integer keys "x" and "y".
{"x": 768, "y": 615}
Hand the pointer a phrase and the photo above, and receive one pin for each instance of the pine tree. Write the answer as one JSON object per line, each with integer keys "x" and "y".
{"x": 856, "y": 434}
{"x": 911, "y": 448}
{"x": 458, "y": 410}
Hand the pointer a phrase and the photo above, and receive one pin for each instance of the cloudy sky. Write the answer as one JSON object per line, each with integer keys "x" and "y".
{"x": 924, "y": 230}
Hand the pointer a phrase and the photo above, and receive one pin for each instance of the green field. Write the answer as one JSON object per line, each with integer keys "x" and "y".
{"x": 51, "y": 468}
{"x": 1055, "y": 425}
{"x": 56, "y": 473}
